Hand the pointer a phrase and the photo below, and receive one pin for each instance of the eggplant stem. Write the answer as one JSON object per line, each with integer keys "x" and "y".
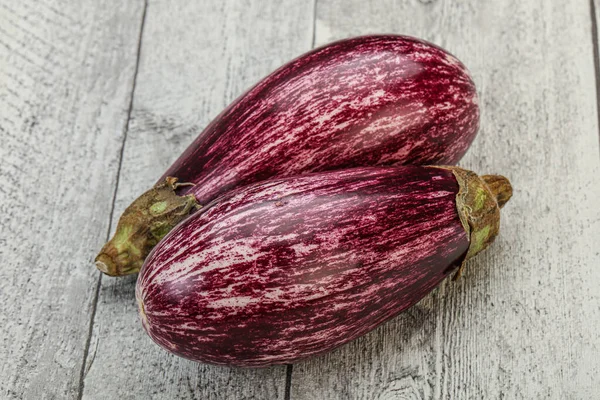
{"x": 500, "y": 188}
{"x": 143, "y": 224}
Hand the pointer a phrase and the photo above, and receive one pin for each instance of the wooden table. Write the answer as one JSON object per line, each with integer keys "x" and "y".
{"x": 97, "y": 98}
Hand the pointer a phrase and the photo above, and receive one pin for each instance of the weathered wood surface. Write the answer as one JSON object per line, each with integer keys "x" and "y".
{"x": 66, "y": 70}
{"x": 521, "y": 323}
{"x": 196, "y": 57}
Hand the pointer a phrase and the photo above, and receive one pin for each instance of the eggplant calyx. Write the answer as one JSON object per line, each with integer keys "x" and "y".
{"x": 478, "y": 203}
{"x": 143, "y": 224}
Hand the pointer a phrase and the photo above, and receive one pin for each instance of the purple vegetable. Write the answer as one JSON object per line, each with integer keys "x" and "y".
{"x": 367, "y": 101}
{"x": 293, "y": 267}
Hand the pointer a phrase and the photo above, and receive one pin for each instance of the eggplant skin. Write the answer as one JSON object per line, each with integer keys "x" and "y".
{"x": 366, "y": 101}
{"x": 293, "y": 267}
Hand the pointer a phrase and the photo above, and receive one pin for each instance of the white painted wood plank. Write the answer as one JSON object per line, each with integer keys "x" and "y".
{"x": 196, "y": 57}
{"x": 66, "y": 70}
{"x": 523, "y": 321}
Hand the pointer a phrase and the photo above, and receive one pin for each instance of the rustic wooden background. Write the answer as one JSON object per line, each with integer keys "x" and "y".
{"x": 97, "y": 98}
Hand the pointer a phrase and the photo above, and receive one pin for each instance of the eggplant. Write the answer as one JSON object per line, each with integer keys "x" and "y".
{"x": 366, "y": 101}
{"x": 293, "y": 267}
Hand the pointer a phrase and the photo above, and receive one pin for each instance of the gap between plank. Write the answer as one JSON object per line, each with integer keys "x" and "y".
{"x": 288, "y": 381}
{"x": 86, "y": 351}
{"x": 596, "y": 60}
{"x": 290, "y": 367}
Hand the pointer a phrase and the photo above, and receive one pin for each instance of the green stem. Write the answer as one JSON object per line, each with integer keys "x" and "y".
{"x": 143, "y": 224}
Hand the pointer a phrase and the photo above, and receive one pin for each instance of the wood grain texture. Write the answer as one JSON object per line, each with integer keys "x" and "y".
{"x": 196, "y": 57}
{"x": 66, "y": 71}
{"x": 522, "y": 322}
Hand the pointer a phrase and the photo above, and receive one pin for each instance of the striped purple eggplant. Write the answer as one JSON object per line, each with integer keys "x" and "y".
{"x": 367, "y": 101}
{"x": 293, "y": 267}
